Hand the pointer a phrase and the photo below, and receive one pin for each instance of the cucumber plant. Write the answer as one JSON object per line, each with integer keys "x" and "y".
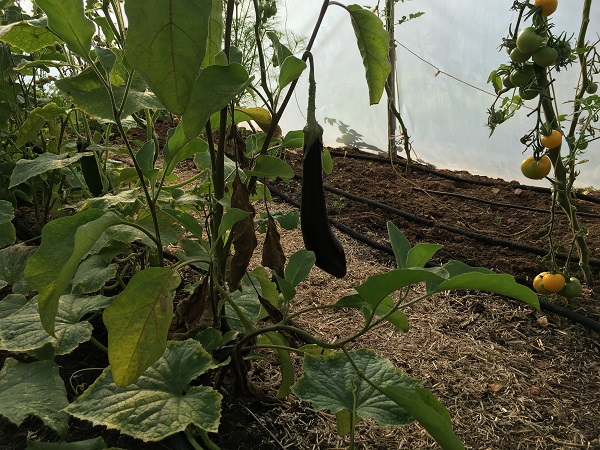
{"x": 171, "y": 344}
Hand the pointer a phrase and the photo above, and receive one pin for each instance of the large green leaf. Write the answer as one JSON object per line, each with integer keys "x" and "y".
{"x": 498, "y": 283}
{"x": 214, "y": 88}
{"x": 8, "y": 234}
{"x": 166, "y": 43}
{"x": 161, "y": 402}
{"x": 330, "y": 382}
{"x": 248, "y": 303}
{"x": 214, "y": 42}
{"x": 299, "y": 266}
{"x": 36, "y": 120}
{"x": 138, "y": 322}
{"x": 28, "y": 35}
{"x": 377, "y": 287}
{"x": 22, "y": 331}
{"x": 66, "y": 18}
{"x": 88, "y": 93}
{"x": 271, "y": 167}
{"x": 65, "y": 242}
{"x": 400, "y": 245}
{"x": 291, "y": 69}
{"x": 428, "y": 411}
{"x": 33, "y": 389}
{"x": 95, "y": 270}
{"x": 373, "y": 44}
{"x": 13, "y": 260}
{"x": 29, "y": 168}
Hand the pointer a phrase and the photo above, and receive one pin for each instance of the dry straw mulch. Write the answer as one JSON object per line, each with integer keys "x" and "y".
{"x": 511, "y": 377}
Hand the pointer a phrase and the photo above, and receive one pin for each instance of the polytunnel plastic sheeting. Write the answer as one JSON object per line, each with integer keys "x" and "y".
{"x": 445, "y": 117}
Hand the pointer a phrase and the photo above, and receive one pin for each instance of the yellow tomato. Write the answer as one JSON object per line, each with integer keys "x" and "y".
{"x": 538, "y": 286}
{"x": 536, "y": 170}
{"x": 553, "y": 282}
{"x": 552, "y": 140}
{"x": 548, "y": 6}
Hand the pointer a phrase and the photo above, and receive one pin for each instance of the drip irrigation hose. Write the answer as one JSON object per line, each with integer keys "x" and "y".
{"x": 449, "y": 176}
{"x": 490, "y": 240}
{"x": 573, "y": 316}
{"x": 500, "y": 204}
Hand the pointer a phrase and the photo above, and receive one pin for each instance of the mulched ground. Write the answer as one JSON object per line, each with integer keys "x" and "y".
{"x": 511, "y": 377}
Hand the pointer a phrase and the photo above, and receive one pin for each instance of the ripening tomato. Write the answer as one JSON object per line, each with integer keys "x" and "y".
{"x": 548, "y": 6}
{"x": 538, "y": 286}
{"x": 553, "y": 282}
{"x": 553, "y": 140}
{"x": 572, "y": 288}
{"x": 536, "y": 170}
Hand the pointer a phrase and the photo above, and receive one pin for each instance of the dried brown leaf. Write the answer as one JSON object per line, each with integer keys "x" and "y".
{"x": 244, "y": 235}
{"x": 272, "y": 253}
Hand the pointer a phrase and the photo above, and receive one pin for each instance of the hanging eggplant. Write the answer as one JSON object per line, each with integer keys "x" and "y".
{"x": 316, "y": 229}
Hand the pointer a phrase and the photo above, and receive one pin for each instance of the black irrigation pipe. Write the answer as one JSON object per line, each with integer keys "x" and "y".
{"x": 500, "y": 204}
{"x": 449, "y": 176}
{"x": 490, "y": 240}
{"x": 573, "y": 316}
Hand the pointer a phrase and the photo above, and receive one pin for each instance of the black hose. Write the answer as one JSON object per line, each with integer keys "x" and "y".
{"x": 500, "y": 204}
{"x": 573, "y": 316}
{"x": 490, "y": 240}
{"x": 449, "y": 176}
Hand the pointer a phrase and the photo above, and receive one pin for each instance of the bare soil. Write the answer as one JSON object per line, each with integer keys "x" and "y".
{"x": 512, "y": 377}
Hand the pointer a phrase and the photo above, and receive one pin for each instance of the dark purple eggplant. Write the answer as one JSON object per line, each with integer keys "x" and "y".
{"x": 316, "y": 229}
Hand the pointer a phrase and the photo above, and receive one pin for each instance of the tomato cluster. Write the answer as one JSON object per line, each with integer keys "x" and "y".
{"x": 555, "y": 283}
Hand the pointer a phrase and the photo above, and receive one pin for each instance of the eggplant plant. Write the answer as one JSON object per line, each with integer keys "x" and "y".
{"x": 171, "y": 344}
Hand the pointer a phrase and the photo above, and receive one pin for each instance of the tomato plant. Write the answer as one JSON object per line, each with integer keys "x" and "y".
{"x": 534, "y": 36}
{"x": 549, "y": 283}
{"x": 536, "y": 169}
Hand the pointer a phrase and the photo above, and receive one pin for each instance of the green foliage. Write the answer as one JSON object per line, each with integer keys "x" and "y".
{"x": 102, "y": 240}
{"x": 161, "y": 402}
{"x": 22, "y": 331}
{"x": 138, "y": 321}
{"x": 40, "y": 385}
{"x": 373, "y": 43}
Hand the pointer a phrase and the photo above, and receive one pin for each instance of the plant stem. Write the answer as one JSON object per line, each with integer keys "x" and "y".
{"x": 98, "y": 344}
{"x": 561, "y": 182}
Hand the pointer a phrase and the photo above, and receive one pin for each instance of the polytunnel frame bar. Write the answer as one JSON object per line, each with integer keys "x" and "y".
{"x": 573, "y": 316}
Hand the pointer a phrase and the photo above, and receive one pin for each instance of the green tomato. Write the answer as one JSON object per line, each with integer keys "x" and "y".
{"x": 518, "y": 56}
{"x": 545, "y": 56}
{"x": 507, "y": 83}
{"x": 592, "y": 88}
{"x": 527, "y": 94}
{"x": 523, "y": 76}
{"x": 572, "y": 288}
{"x": 529, "y": 41}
